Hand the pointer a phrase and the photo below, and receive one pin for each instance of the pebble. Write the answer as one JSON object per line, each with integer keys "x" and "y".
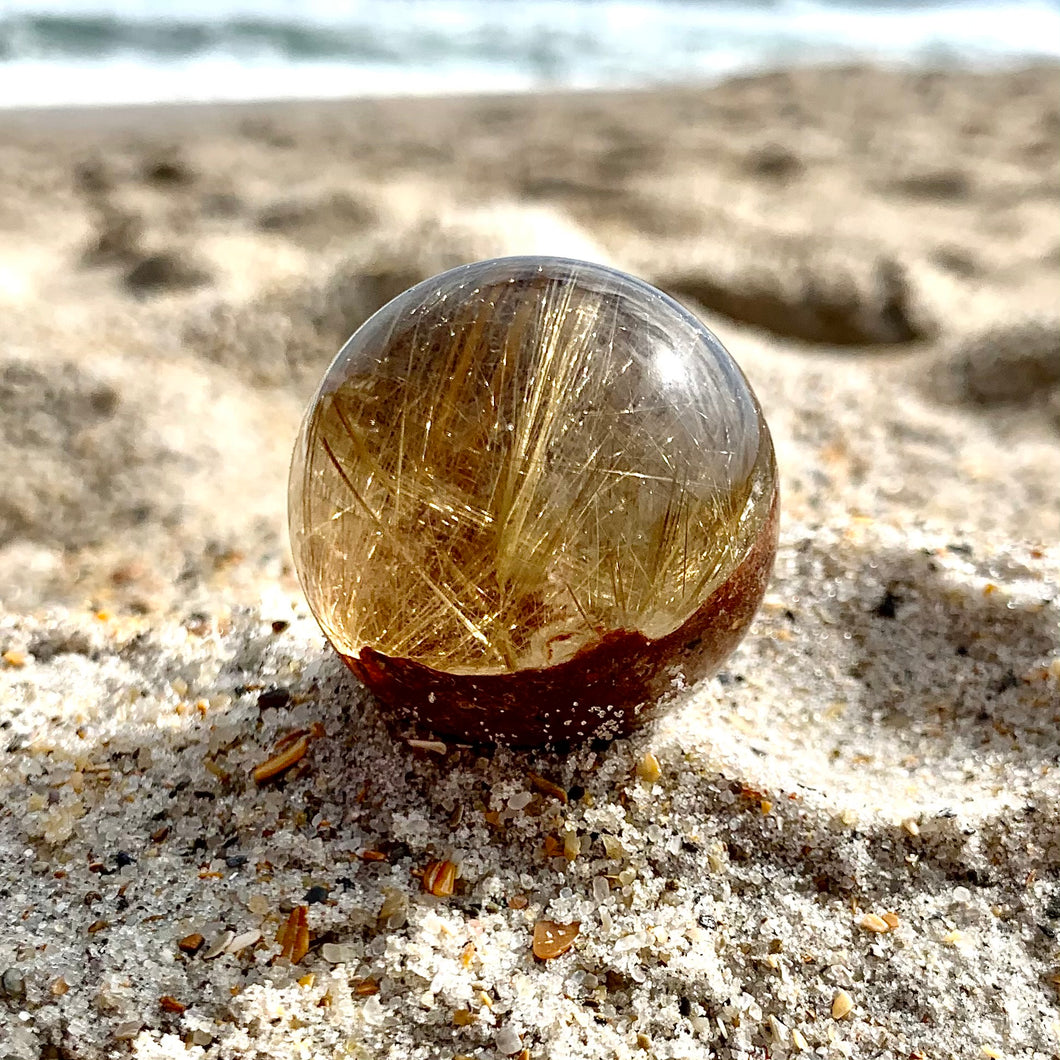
{"x": 872, "y": 922}
{"x": 191, "y": 943}
{"x": 508, "y": 1041}
{"x": 552, "y": 939}
{"x": 13, "y": 984}
{"x": 258, "y": 904}
{"x": 338, "y": 953}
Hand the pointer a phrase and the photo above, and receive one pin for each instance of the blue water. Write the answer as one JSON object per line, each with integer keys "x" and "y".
{"x": 77, "y": 51}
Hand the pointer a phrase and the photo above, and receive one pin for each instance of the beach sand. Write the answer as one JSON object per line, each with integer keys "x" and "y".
{"x": 846, "y": 845}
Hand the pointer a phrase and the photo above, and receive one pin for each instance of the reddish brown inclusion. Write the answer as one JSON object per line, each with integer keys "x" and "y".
{"x": 607, "y": 689}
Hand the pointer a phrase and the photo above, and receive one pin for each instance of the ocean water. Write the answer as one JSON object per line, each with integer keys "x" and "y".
{"x": 57, "y": 52}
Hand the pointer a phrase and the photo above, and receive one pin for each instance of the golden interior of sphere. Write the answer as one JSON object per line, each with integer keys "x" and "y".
{"x": 517, "y": 457}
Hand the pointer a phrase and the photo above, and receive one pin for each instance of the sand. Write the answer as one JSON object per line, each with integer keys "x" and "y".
{"x": 845, "y": 845}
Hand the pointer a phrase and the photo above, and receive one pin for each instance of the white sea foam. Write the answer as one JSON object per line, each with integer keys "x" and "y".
{"x": 79, "y": 51}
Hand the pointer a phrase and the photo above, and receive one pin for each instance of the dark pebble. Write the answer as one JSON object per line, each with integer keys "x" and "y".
{"x": 323, "y": 939}
{"x": 1010, "y": 680}
{"x": 234, "y": 861}
{"x": 888, "y": 606}
{"x": 167, "y": 171}
{"x": 274, "y": 699}
{"x": 158, "y": 272}
{"x": 774, "y": 161}
{"x": 92, "y": 177}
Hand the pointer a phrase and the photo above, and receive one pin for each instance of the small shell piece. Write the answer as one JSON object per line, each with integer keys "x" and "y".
{"x": 280, "y": 763}
{"x": 546, "y": 787}
{"x": 648, "y": 768}
{"x": 842, "y": 1004}
{"x": 439, "y": 878}
{"x": 294, "y": 935}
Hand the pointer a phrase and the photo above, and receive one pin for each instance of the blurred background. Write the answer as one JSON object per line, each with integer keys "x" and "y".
{"x": 859, "y": 196}
{"x": 119, "y": 51}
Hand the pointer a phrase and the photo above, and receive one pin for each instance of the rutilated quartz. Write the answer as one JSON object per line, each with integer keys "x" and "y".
{"x": 516, "y": 458}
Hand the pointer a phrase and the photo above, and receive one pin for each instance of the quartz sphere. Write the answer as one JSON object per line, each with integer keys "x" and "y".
{"x": 531, "y": 499}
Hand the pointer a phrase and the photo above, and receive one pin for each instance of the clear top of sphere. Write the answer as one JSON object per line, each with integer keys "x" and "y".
{"x": 518, "y": 456}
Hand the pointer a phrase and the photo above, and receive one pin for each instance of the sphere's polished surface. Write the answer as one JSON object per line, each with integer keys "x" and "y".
{"x": 530, "y": 497}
